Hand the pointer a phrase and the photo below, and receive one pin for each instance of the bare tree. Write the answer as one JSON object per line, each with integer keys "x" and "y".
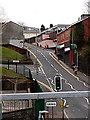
{"x": 21, "y": 23}
{"x": 87, "y": 6}
{"x": 3, "y": 15}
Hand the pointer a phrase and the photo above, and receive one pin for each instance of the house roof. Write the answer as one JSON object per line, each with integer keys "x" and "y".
{"x": 72, "y": 25}
{"x": 30, "y": 31}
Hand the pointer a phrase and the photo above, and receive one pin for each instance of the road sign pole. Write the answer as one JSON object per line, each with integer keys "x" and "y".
{"x": 23, "y": 70}
{"x": 8, "y": 64}
{"x": 16, "y": 61}
{"x": 16, "y": 67}
{"x": 51, "y": 104}
{"x": 52, "y": 112}
{"x": 0, "y": 111}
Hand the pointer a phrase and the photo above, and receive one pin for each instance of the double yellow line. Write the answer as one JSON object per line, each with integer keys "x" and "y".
{"x": 63, "y": 66}
{"x": 34, "y": 56}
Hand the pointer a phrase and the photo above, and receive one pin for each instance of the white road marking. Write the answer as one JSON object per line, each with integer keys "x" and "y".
{"x": 48, "y": 62}
{"x": 46, "y": 78}
{"x": 66, "y": 115}
{"x": 52, "y": 65}
{"x": 46, "y": 58}
{"x": 87, "y": 100}
{"x": 83, "y": 83}
{"x": 56, "y": 70}
{"x": 70, "y": 85}
{"x": 52, "y": 81}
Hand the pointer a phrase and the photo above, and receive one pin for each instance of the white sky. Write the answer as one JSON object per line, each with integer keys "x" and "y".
{"x": 34, "y": 13}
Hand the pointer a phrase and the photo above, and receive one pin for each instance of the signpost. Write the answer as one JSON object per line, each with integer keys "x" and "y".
{"x": 51, "y": 104}
{"x": 16, "y": 61}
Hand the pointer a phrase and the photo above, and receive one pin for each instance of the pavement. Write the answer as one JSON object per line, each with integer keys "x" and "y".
{"x": 80, "y": 75}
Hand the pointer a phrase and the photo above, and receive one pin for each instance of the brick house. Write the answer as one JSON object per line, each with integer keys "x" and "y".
{"x": 66, "y": 38}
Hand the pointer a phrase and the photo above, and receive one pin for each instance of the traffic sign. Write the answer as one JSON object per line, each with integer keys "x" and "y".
{"x": 50, "y": 104}
{"x": 16, "y": 61}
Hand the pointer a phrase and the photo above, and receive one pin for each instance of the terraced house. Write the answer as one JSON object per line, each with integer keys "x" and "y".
{"x": 72, "y": 40}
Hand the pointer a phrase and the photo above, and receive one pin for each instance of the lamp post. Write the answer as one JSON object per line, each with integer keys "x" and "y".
{"x": 36, "y": 53}
{"x": 74, "y": 48}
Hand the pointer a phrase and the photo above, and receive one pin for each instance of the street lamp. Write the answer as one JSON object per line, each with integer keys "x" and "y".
{"x": 74, "y": 48}
{"x": 36, "y": 63}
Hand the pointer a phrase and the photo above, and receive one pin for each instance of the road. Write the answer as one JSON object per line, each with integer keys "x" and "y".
{"x": 78, "y": 107}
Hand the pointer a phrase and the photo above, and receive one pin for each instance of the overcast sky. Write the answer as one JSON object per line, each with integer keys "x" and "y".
{"x": 34, "y": 13}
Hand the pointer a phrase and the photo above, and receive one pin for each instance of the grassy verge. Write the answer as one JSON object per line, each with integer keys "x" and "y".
{"x": 8, "y": 54}
{"x": 10, "y": 74}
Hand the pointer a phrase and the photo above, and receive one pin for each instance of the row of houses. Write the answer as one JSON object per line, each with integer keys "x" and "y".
{"x": 68, "y": 41}
{"x": 72, "y": 39}
{"x": 13, "y": 33}
{"x": 61, "y": 36}
{"x": 47, "y": 38}
{"x": 60, "y": 33}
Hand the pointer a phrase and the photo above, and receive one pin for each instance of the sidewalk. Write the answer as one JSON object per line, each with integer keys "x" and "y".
{"x": 81, "y": 75}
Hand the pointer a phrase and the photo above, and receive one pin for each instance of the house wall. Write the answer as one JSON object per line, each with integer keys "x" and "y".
{"x": 11, "y": 31}
{"x": 65, "y": 35}
{"x": 87, "y": 28}
{"x": 29, "y": 35}
{"x": 0, "y": 33}
{"x": 52, "y": 35}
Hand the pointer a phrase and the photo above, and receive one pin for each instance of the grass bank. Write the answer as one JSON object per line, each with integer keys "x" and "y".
{"x": 8, "y": 54}
{"x": 5, "y": 73}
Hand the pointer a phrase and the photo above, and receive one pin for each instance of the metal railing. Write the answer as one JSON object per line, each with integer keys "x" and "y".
{"x": 44, "y": 95}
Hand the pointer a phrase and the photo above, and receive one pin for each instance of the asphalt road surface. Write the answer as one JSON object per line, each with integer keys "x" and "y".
{"x": 77, "y": 107}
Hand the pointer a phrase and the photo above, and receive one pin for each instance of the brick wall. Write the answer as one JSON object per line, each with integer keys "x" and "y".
{"x": 26, "y": 114}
